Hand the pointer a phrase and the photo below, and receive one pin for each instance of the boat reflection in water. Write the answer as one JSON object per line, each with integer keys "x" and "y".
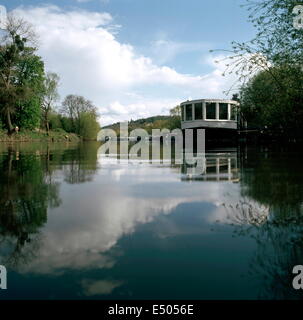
{"x": 217, "y": 166}
{"x": 213, "y": 165}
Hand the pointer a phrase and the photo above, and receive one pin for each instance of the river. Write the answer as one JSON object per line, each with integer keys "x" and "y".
{"x": 74, "y": 225}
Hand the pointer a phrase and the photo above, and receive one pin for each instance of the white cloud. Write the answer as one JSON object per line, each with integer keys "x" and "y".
{"x": 82, "y": 48}
{"x": 142, "y": 108}
{"x": 99, "y": 287}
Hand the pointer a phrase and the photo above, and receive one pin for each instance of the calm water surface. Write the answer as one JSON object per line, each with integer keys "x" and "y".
{"x": 75, "y": 226}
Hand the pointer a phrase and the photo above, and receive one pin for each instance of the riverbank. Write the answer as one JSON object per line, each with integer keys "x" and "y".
{"x": 39, "y": 136}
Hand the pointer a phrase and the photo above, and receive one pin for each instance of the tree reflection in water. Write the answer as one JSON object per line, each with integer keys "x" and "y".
{"x": 82, "y": 163}
{"x": 271, "y": 213}
{"x": 28, "y": 189}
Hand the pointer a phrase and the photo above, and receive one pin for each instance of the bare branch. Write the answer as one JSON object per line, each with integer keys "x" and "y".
{"x": 15, "y": 25}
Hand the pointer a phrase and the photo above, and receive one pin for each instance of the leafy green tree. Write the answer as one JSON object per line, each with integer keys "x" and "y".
{"x": 10, "y": 91}
{"x": 21, "y": 73}
{"x": 31, "y": 77}
{"x": 276, "y": 104}
{"x": 55, "y": 121}
{"x": 67, "y": 123}
{"x": 89, "y": 126}
{"x": 73, "y": 107}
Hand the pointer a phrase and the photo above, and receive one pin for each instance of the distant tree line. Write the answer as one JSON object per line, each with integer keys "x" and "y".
{"x": 171, "y": 122}
{"x": 29, "y": 95}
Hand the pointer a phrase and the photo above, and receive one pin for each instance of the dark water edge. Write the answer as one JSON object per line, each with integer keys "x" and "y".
{"x": 75, "y": 226}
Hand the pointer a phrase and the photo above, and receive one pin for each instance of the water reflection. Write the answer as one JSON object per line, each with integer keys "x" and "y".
{"x": 30, "y": 188}
{"x": 218, "y": 166}
{"x": 82, "y": 163}
{"x": 64, "y": 210}
{"x": 271, "y": 213}
{"x": 27, "y": 190}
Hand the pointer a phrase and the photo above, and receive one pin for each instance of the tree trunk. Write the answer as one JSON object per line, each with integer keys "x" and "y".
{"x": 46, "y": 122}
{"x": 47, "y": 127}
{"x": 9, "y": 122}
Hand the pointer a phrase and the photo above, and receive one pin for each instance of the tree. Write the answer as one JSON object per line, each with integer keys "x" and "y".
{"x": 235, "y": 97}
{"x": 265, "y": 104}
{"x": 277, "y": 41}
{"x": 66, "y": 123}
{"x": 55, "y": 121}
{"x": 269, "y": 67}
{"x": 73, "y": 106}
{"x": 175, "y": 121}
{"x": 10, "y": 91}
{"x": 31, "y": 77}
{"x": 277, "y": 37}
{"x": 20, "y": 71}
{"x": 49, "y": 97}
{"x": 175, "y": 112}
{"x": 89, "y": 126}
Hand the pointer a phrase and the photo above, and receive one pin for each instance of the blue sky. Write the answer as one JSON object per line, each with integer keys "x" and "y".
{"x": 136, "y": 58}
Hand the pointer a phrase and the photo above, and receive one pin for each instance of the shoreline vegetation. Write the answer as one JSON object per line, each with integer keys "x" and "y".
{"x": 39, "y": 136}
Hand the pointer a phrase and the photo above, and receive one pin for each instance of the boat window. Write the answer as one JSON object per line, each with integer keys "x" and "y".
{"x": 198, "y": 111}
{"x": 182, "y": 113}
{"x": 223, "y": 111}
{"x": 210, "y": 110}
{"x": 189, "y": 113}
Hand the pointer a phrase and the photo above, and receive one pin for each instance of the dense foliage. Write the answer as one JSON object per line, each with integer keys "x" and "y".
{"x": 274, "y": 100}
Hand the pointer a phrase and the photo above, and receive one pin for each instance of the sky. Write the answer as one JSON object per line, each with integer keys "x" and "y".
{"x": 136, "y": 58}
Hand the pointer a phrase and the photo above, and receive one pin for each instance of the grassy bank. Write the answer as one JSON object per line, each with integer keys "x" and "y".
{"x": 39, "y": 136}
